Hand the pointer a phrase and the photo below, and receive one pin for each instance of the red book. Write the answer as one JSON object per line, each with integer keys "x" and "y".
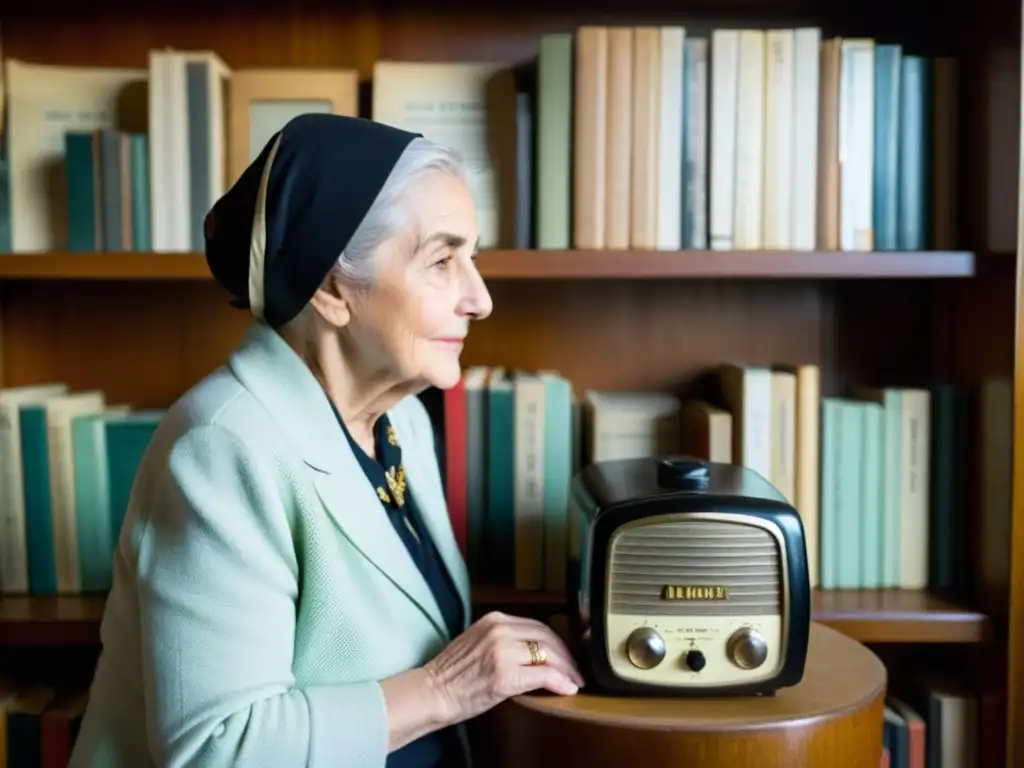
{"x": 59, "y": 727}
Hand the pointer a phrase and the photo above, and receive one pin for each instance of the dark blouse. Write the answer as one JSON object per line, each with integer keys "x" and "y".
{"x": 441, "y": 749}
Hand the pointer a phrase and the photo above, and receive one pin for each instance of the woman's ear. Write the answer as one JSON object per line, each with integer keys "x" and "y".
{"x": 332, "y": 300}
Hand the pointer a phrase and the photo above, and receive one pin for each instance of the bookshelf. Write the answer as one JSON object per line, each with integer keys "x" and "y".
{"x": 883, "y": 616}
{"x": 664, "y": 317}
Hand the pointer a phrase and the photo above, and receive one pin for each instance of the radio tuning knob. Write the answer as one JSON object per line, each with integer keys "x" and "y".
{"x": 645, "y": 648}
{"x": 747, "y": 648}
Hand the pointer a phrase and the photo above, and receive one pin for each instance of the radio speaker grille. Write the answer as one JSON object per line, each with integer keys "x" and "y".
{"x": 743, "y": 558}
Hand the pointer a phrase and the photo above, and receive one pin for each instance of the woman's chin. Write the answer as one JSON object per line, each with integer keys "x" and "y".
{"x": 444, "y": 374}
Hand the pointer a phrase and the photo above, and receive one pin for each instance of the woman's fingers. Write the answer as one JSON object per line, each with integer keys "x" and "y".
{"x": 514, "y": 634}
{"x": 546, "y": 677}
{"x": 555, "y": 657}
{"x": 551, "y": 647}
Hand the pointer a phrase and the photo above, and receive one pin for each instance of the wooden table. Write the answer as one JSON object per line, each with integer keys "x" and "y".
{"x": 832, "y": 719}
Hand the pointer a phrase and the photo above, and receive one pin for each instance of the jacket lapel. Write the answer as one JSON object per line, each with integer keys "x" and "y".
{"x": 276, "y": 376}
{"x": 425, "y": 482}
{"x": 356, "y": 509}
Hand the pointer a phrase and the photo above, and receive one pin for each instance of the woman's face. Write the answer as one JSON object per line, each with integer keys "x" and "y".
{"x": 411, "y": 323}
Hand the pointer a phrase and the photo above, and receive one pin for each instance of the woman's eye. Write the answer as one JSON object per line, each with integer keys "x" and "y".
{"x": 443, "y": 262}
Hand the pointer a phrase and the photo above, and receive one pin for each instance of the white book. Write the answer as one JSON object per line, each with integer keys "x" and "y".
{"x": 169, "y": 176}
{"x": 748, "y": 222}
{"x": 670, "y": 145}
{"x": 725, "y": 48}
{"x": 857, "y": 145}
{"x": 804, "y": 204}
{"x": 780, "y": 76}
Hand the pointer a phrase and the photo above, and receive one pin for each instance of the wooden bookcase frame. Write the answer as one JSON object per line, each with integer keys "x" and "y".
{"x": 953, "y": 315}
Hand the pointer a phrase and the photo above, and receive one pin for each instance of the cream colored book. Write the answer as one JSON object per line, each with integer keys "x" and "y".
{"x": 618, "y": 162}
{"x": 807, "y": 463}
{"x": 43, "y": 103}
{"x": 630, "y": 425}
{"x": 707, "y": 432}
{"x": 528, "y": 397}
{"x": 447, "y": 103}
{"x": 806, "y": 94}
{"x": 643, "y": 225}
{"x": 748, "y": 219}
{"x": 747, "y": 392}
{"x": 590, "y": 136}
{"x": 783, "y": 434}
{"x": 779, "y": 132}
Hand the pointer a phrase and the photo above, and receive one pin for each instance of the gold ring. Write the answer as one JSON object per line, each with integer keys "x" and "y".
{"x": 537, "y": 655}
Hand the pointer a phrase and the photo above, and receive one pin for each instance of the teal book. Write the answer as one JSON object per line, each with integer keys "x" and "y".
{"x": 850, "y": 502}
{"x": 888, "y": 64}
{"x": 891, "y": 401}
{"x": 558, "y": 455}
{"x": 113, "y": 210}
{"x": 896, "y": 737}
{"x": 127, "y": 441}
{"x": 501, "y": 520}
{"x": 81, "y": 169}
{"x": 92, "y": 499}
{"x": 872, "y": 494}
{"x": 831, "y": 490}
{"x": 914, "y": 152}
{"x": 139, "y": 154}
{"x": 42, "y": 567}
{"x": 476, "y": 468}
{"x": 892, "y": 510}
{"x": 554, "y": 142}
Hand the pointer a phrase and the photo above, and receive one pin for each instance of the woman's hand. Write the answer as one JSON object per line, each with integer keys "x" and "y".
{"x": 490, "y": 662}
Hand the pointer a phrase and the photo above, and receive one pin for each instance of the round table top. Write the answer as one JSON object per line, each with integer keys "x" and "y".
{"x": 840, "y": 676}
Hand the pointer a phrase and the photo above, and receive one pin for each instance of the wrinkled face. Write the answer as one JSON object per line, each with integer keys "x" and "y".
{"x": 411, "y": 322}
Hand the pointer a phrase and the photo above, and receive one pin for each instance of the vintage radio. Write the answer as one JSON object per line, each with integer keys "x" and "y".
{"x": 685, "y": 577}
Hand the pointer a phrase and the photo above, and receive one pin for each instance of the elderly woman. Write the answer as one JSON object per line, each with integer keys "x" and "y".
{"x": 288, "y": 591}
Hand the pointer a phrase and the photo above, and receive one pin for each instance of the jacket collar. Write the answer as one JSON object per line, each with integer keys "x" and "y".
{"x": 279, "y": 379}
{"x": 276, "y": 376}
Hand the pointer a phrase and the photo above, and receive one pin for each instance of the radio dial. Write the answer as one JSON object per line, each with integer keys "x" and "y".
{"x": 645, "y": 648}
{"x": 695, "y": 660}
{"x": 747, "y": 648}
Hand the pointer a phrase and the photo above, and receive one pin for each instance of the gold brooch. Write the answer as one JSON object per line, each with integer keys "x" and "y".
{"x": 383, "y": 495}
{"x": 392, "y": 437}
{"x": 396, "y": 482}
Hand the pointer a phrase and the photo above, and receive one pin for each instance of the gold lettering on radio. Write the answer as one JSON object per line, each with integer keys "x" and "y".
{"x": 694, "y": 592}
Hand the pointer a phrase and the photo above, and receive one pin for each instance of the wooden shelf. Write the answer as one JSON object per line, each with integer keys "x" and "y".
{"x": 69, "y": 620}
{"x": 870, "y": 616}
{"x": 898, "y": 616}
{"x": 543, "y": 265}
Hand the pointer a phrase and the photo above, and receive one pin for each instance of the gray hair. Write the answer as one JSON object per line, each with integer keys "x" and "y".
{"x": 390, "y": 211}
